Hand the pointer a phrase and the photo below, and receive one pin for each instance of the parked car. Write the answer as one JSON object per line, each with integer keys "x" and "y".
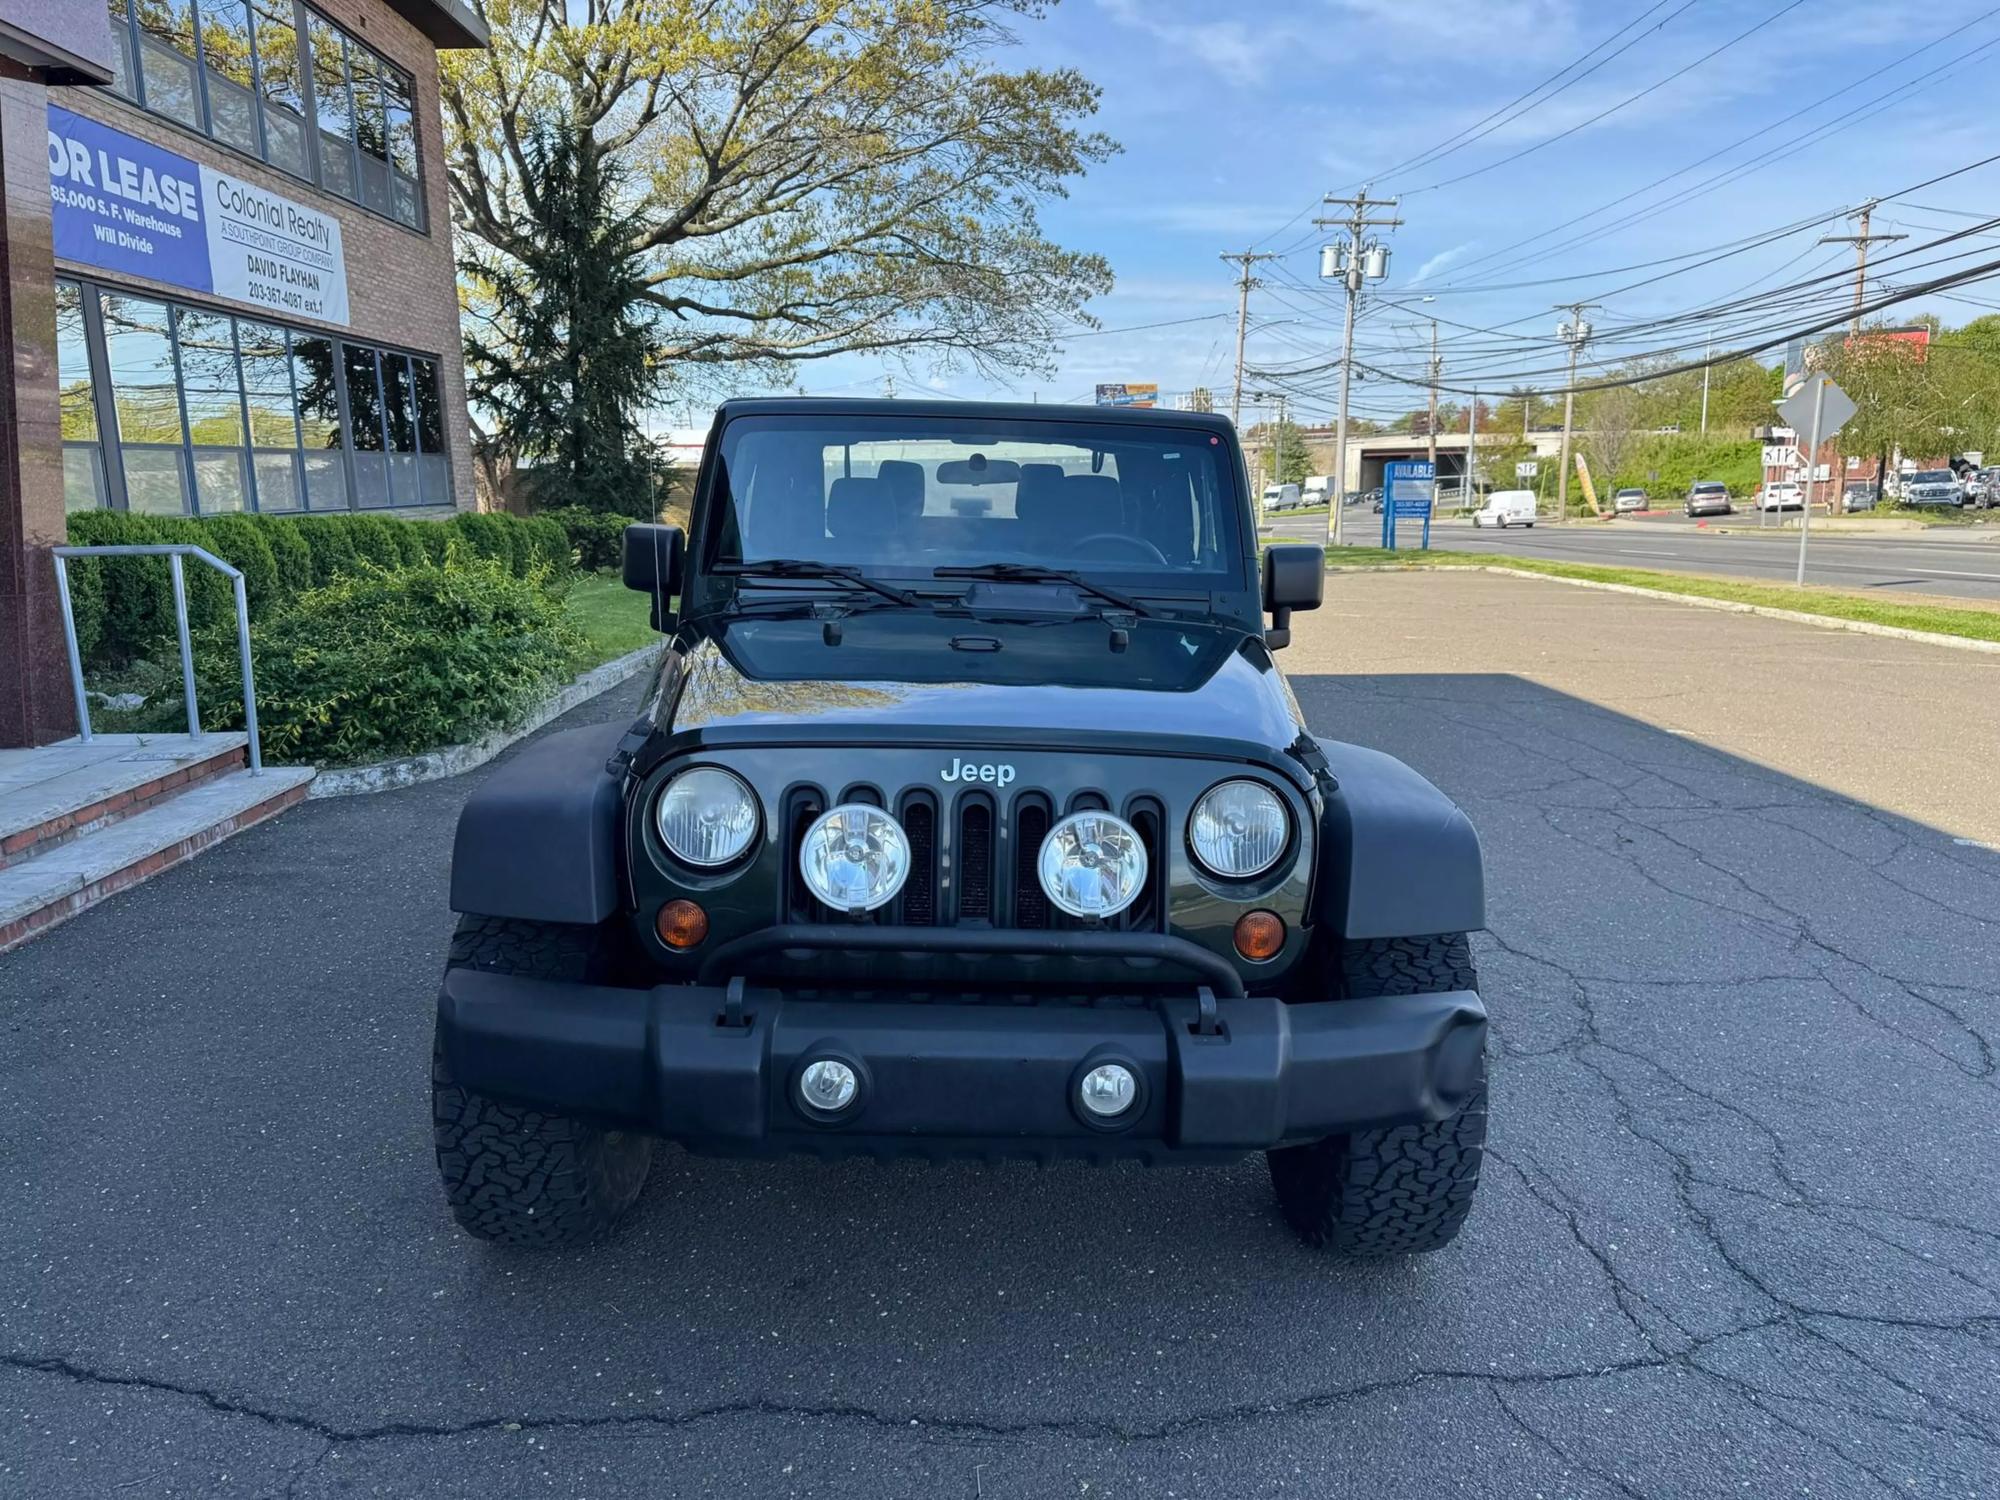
{"x": 1504, "y": 508}
{"x": 1628, "y": 502}
{"x": 1283, "y": 497}
{"x": 1932, "y": 488}
{"x": 1989, "y": 488}
{"x": 1104, "y": 899}
{"x": 1708, "y": 497}
{"x": 1782, "y": 496}
{"x": 1856, "y": 495}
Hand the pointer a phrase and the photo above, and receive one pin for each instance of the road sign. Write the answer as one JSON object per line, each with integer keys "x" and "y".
{"x": 1836, "y": 410}
{"x": 1407, "y": 488}
{"x": 1527, "y": 469}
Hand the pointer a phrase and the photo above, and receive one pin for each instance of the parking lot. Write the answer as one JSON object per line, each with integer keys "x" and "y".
{"x": 1739, "y": 1233}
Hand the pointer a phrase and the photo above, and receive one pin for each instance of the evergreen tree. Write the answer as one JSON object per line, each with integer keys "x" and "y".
{"x": 561, "y": 349}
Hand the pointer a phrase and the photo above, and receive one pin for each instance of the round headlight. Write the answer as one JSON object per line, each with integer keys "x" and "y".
{"x": 1239, "y": 829}
{"x": 1092, "y": 864}
{"x": 854, "y": 857}
{"x": 706, "y": 817}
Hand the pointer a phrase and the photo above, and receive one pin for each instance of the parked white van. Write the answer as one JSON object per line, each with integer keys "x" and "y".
{"x": 1283, "y": 497}
{"x": 1319, "y": 487}
{"x": 1504, "y": 508}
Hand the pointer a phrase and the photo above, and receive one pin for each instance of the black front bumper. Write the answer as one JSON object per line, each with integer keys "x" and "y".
{"x": 940, "y": 1079}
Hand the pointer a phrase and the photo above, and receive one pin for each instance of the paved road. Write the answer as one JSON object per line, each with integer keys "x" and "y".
{"x": 1740, "y": 1233}
{"x": 1964, "y": 566}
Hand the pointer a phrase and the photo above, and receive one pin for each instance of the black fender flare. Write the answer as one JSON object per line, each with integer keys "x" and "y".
{"x": 539, "y": 840}
{"x": 1397, "y": 856}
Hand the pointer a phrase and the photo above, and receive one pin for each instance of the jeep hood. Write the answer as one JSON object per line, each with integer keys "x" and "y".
{"x": 897, "y": 671}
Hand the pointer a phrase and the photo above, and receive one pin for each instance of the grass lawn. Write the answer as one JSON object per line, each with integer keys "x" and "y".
{"x": 1970, "y": 620}
{"x": 611, "y": 616}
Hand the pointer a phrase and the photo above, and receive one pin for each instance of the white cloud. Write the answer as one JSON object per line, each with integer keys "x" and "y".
{"x": 1439, "y": 261}
{"x": 1242, "y": 53}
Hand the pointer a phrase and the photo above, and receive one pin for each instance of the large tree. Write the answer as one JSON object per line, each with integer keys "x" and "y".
{"x": 560, "y": 351}
{"x": 808, "y": 178}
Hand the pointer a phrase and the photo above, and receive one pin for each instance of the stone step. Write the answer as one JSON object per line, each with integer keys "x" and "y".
{"x": 60, "y": 792}
{"x": 37, "y": 893}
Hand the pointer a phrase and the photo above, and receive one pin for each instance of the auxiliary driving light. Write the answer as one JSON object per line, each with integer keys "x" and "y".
{"x": 854, "y": 857}
{"x": 828, "y": 1086}
{"x": 1092, "y": 864}
{"x": 1107, "y": 1090}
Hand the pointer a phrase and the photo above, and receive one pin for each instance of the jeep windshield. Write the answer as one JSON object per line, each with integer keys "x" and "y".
{"x": 926, "y": 497}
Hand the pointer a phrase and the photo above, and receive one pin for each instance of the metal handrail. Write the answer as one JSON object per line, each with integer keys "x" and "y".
{"x": 173, "y": 552}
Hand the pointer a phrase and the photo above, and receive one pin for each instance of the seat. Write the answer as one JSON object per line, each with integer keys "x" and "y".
{"x": 904, "y": 479}
{"x": 861, "y": 516}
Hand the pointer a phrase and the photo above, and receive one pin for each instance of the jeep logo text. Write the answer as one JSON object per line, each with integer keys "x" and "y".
{"x": 963, "y": 770}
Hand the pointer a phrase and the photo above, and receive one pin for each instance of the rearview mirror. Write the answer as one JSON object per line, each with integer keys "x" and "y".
{"x": 653, "y": 557}
{"x": 978, "y": 469}
{"x": 1294, "y": 578}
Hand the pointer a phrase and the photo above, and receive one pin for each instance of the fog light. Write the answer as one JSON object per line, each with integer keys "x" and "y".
{"x": 828, "y": 1086}
{"x": 1259, "y": 935}
{"x": 1108, "y": 1090}
{"x": 681, "y": 924}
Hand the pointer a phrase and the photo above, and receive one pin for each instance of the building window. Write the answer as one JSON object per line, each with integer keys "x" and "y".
{"x": 236, "y": 69}
{"x": 146, "y": 394}
{"x": 175, "y": 410}
{"x": 76, "y": 397}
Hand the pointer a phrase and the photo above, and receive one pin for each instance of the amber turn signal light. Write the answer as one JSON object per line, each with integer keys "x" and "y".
{"x": 682, "y": 924}
{"x": 1259, "y": 935}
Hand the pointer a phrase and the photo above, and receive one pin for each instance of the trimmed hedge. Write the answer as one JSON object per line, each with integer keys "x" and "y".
{"x": 595, "y": 538}
{"x": 380, "y": 664}
{"x": 125, "y": 606}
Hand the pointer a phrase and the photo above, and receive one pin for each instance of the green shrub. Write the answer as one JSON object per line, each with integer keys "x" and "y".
{"x": 289, "y": 553}
{"x": 435, "y": 537}
{"x": 597, "y": 538}
{"x": 376, "y": 540}
{"x": 137, "y": 600}
{"x": 331, "y": 546}
{"x": 240, "y": 542}
{"x": 377, "y": 665}
{"x": 485, "y": 536}
{"x": 549, "y": 545}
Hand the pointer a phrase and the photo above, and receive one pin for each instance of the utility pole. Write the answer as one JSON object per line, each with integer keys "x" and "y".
{"x": 1861, "y": 242}
{"x": 1244, "y": 282}
{"x": 1432, "y": 425}
{"x": 1471, "y": 453}
{"x": 1573, "y": 331}
{"x": 1353, "y": 262}
{"x": 1707, "y": 353}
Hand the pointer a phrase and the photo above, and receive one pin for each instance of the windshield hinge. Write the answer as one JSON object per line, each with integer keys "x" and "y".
{"x": 633, "y": 741}
{"x": 1306, "y": 751}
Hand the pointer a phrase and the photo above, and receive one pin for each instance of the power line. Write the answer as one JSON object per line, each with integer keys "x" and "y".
{"x": 1605, "y": 114}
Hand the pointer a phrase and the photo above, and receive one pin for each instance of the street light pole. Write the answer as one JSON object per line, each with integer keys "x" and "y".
{"x": 1244, "y": 282}
{"x": 1431, "y": 426}
{"x": 1352, "y": 262}
{"x": 1707, "y": 353}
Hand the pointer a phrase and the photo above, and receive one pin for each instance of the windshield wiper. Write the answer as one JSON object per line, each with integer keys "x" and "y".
{"x": 1033, "y": 573}
{"x": 797, "y": 567}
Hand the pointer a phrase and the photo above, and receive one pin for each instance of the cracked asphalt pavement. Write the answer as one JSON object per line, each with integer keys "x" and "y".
{"x": 1739, "y": 1233}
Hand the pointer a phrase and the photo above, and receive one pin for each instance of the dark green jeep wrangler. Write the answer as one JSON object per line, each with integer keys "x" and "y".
{"x": 969, "y": 816}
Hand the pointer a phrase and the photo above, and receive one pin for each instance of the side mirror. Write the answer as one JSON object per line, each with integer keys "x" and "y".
{"x": 1294, "y": 578}
{"x": 653, "y": 564}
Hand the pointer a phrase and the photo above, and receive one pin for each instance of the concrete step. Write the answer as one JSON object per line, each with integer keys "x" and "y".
{"x": 37, "y": 893}
{"x": 59, "y": 792}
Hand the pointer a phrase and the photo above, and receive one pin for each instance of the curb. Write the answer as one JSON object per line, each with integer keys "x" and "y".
{"x": 1732, "y": 606}
{"x": 455, "y": 760}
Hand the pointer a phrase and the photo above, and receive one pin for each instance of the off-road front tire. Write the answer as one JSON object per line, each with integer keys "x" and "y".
{"x": 521, "y": 1176}
{"x": 1408, "y": 1188}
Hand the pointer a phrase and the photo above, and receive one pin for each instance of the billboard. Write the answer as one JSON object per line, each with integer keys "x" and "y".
{"x": 1128, "y": 395}
{"x": 127, "y": 206}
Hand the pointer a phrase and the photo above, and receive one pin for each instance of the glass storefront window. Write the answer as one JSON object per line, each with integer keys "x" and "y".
{"x": 175, "y": 410}
{"x": 212, "y": 394}
{"x": 76, "y": 398}
{"x": 145, "y": 391}
{"x": 274, "y": 419}
{"x": 166, "y": 59}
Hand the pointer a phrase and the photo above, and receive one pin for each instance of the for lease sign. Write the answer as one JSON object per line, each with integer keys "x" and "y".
{"x": 126, "y": 205}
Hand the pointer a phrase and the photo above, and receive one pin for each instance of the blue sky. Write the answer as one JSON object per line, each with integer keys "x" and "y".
{"x": 1234, "y": 118}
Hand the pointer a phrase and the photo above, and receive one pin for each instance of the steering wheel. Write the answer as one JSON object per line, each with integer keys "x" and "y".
{"x": 1136, "y": 543}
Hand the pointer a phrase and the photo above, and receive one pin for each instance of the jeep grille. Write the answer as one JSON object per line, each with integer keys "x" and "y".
{"x": 972, "y": 857}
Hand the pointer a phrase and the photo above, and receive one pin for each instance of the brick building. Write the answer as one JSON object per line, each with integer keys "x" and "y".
{"x": 226, "y": 279}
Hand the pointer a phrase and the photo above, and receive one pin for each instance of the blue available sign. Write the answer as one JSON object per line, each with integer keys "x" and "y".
{"x": 1407, "y": 490}
{"x": 124, "y": 204}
